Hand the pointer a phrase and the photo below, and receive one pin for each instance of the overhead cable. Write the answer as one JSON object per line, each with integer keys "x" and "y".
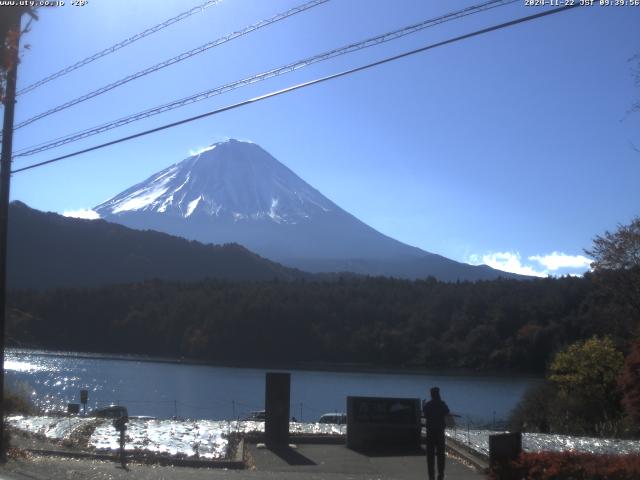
{"x": 302, "y": 85}
{"x": 119, "y": 45}
{"x": 386, "y": 37}
{"x": 171, "y": 61}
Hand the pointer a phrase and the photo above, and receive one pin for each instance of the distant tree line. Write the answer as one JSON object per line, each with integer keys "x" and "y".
{"x": 490, "y": 325}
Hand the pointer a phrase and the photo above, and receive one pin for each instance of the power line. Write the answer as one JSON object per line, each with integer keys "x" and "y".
{"x": 303, "y": 85}
{"x": 174, "y": 60}
{"x": 120, "y": 45}
{"x": 264, "y": 76}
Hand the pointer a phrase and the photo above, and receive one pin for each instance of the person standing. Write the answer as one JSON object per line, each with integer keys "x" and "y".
{"x": 435, "y": 412}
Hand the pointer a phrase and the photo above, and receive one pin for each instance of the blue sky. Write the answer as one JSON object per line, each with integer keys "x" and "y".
{"x": 513, "y": 149}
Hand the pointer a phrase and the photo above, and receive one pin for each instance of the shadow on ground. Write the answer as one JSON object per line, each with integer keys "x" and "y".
{"x": 390, "y": 452}
{"x": 290, "y": 455}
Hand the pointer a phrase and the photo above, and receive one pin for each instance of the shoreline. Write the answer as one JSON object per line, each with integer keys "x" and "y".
{"x": 301, "y": 366}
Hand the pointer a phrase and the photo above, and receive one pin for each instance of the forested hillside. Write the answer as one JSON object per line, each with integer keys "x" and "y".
{"x": 47, "y": 250}
{"x": 502, "y": 324}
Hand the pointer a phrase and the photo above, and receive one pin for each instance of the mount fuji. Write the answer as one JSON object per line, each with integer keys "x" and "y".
{"x": 235, "y": 191}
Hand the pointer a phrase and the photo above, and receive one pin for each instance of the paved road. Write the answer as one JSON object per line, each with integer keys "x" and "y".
{"x": 307, "y": 462}
{"x": 337, "y": 461}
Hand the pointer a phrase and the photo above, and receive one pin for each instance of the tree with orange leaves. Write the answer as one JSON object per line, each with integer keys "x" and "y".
{"x": 9, "y": 40}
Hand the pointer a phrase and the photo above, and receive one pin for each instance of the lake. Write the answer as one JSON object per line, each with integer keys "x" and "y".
{"x": 165, "y": 390}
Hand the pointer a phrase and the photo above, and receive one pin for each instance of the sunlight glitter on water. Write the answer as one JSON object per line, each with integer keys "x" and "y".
{"x": 18, "y": 361}
{"x": 26, "y": 367}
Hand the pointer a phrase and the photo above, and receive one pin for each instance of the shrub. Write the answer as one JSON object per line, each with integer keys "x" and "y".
{"x": 18, "y": 401}
{"x": 585, "y": 375}
{"x": 536, "y": 410}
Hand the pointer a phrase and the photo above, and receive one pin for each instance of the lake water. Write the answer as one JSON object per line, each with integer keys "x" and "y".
{"x": 165, "y": 390}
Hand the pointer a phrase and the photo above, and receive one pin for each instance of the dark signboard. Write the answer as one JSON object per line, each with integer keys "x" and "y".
{"x": 73, "y": 408}
{"x": 277, "y": 404}
{"x": 504, "y": 447}
{"x": 396, "y": 411}
{"x": 383, "y": 423}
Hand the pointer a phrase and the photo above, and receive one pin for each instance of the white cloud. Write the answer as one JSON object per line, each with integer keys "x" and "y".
{"x": 507, "y": 262}
{"x": 557, "y": 260}
{"x": 555, "y": 263}
{"x": 85, "y": 213}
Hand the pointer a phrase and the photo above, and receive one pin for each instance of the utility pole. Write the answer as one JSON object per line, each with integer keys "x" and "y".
{"x": 14, "y": 15}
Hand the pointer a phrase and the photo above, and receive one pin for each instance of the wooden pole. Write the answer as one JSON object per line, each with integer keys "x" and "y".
{"x": 5, "y": 181}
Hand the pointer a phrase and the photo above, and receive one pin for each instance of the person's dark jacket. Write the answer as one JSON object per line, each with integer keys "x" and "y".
{"x": 434, "y": 412}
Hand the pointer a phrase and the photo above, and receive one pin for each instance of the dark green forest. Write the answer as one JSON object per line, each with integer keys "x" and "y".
{"x": 505, "y": 325}
{"x": 75, "y": 252}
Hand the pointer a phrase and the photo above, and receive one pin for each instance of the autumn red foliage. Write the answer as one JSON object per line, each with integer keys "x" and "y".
{"x": 629, "y": 382}
{"x": 569, "y": 465}
{"x": 8, "y": 43}
{"x": 9, "y": 40}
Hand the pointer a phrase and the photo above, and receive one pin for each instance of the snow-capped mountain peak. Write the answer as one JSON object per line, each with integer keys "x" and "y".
{"x": 231, "y": 179}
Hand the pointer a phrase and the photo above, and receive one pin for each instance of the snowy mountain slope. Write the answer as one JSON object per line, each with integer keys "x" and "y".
{"x": 237, "y": 192}
{"x": 232, "y": 180}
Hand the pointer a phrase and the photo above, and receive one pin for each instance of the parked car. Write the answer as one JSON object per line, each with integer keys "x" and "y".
{"x": 335, "y": 418}
{"x": 112, "y": 411}
{"x": 257, "y": 416}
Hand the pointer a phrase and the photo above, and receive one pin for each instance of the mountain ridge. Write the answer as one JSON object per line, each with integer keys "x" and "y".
{"x": 49, "y": 250}
{"x": 212, "y": 188}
